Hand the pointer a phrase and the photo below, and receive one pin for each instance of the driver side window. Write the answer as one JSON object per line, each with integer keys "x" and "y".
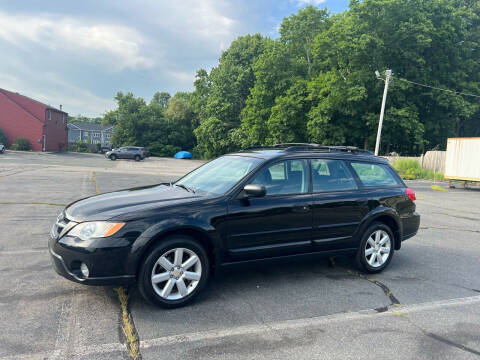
{"x": 284, "y": 177}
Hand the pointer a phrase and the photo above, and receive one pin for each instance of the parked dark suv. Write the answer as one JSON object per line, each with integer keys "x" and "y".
{"x": 127, "y": 152}
{"x": 257, "y": 204}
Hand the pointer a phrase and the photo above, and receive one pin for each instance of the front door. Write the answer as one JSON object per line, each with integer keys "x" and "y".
{"x": 338, "y": 206}
{"x": 280, "y": 223}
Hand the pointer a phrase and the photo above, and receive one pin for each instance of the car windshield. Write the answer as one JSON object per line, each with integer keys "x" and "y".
{"x": 220, "y": 175}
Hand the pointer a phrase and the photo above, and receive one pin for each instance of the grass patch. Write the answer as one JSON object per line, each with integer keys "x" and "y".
{"x": 410, "y": 169}
{"x": 438, "y": 188}
{"x": 131, "y": 337}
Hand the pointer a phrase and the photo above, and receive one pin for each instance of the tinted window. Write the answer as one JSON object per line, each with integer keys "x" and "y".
{"x": 284, "y": 177}
{"x": 374, "y": 174}
{"x": 331, "y": 175}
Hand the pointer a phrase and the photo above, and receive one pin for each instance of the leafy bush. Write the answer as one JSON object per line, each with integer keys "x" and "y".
{"x": 3, "y": 138}
{"x": 410, "y": 169}
{"x": 401, "y": 165}
{"x": 157, "y": 149}
{"x": 21, "y": 144}
{"x": 81, "y": 146}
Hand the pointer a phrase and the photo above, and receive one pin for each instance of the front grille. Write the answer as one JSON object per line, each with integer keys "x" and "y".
{"x": 60, "y": 224}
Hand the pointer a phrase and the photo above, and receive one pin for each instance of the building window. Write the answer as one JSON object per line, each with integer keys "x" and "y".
{"x": 49, "y": 114}
{"x": 63, "y": 118}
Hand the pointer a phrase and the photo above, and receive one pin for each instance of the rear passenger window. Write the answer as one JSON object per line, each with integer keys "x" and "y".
{"x": 331, "y": 175}
{"x": 374, "y": 174}
{"x": 284, "y": 177}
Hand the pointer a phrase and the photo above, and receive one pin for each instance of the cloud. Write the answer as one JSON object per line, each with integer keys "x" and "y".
{"x": 49, "y": 89}
{"x": 113, "y": 45}
{"x": 80, "y": 54}
{"x": 308, "y": 2}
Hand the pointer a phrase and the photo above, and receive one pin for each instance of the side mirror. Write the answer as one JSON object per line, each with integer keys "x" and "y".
{"x": 254, "y": 190}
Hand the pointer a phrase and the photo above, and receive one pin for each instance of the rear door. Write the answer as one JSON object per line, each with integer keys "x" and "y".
{"x": 338, "y": 206}
{"x": 131, "y": 152}
{"x": 122, "y": 153}
{"x": 279, "y": 223}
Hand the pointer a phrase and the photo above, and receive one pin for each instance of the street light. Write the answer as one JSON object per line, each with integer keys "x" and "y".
{"x": 388, "y": 73}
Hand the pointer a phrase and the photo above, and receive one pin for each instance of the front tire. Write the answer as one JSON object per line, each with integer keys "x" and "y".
{"x": 376, "y": 248}
{"x": 113, "y": 157}
{"x": 174, "y": 272}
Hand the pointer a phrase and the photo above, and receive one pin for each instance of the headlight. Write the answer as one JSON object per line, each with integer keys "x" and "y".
{"x": 95, "y": 229}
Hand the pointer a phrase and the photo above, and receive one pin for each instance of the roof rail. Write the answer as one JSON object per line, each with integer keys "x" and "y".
{"x": 311, "y": 147}
{"x": 318, "y": 147}
{"x": 251, "y": 147}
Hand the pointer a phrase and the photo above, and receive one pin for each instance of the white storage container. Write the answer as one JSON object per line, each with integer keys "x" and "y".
{"x": 463, "y": 159}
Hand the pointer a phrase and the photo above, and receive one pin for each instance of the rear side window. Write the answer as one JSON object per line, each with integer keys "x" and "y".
{"x": 374, "y": 174}
{"x": 331, "y": 175}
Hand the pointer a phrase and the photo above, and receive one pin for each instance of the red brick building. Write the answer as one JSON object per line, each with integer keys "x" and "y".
{"x": 43, "y": 125}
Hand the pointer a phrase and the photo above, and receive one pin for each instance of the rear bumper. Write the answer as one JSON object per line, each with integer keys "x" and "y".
{"x": 410, "y": 226}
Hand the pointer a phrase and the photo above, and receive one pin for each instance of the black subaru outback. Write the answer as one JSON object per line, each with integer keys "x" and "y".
{"x": 260, "y": 203}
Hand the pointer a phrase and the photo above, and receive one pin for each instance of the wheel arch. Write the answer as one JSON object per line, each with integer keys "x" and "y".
{"x": 196, "y": 234}
{"x": 388, "y": 218}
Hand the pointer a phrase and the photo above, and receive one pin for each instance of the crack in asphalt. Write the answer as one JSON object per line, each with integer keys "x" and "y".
{"x": 386, "y": 290}
{"x": 451, "y": 343}
{"x": 131, "y": 337}
{"x": 94, "y": 181}
{"x": 447, "y": 228}
{"x": 24, "y": 171}
{"x": 455, "y": 216}
{"x": 438, "y": 337}
{"x": 31, "y": 203}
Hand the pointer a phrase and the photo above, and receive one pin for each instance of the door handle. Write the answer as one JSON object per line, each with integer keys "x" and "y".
{"x": 301, "y": 208}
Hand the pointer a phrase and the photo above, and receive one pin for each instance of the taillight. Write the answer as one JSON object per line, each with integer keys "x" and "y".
{"x": 411, "y": 194}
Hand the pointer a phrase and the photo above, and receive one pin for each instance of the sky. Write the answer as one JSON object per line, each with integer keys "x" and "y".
{"x": 81, "y": 53}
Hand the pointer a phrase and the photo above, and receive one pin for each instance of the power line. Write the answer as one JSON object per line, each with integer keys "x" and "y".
{"x": 436, "y": 88}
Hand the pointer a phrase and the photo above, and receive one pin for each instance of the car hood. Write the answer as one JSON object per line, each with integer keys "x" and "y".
{"x": 106, "y": 206}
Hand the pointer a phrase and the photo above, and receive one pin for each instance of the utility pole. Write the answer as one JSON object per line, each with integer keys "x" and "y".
{"x": 388, "y": 73}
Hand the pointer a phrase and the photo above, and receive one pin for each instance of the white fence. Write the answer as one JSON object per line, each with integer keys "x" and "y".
{"x": 434, "y": 161}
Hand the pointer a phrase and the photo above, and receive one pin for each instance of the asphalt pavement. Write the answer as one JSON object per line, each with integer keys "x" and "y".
{"x": 426, "y": 305}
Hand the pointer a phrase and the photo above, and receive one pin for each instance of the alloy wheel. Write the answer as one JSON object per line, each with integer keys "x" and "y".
{"x": 377, "y": 248}
{"x": 176, "y": 273}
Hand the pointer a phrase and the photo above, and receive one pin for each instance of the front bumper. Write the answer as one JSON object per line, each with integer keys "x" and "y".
{"x": 106, "y": 267}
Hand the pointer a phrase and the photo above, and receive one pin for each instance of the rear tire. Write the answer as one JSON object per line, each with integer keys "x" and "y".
{"x": 113, "y": 157}
{"x": 137, "y": 158}
{"x": 174, "y": 272}
{"x": 376, "y": 248}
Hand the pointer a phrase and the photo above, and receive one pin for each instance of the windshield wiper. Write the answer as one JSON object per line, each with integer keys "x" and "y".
{"x": 185, "y": 187}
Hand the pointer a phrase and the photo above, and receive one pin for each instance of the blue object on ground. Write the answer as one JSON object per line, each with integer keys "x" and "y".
{"x": 183, "y": 155}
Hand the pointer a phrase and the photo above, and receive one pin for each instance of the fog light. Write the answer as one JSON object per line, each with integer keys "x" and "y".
{"x": 84, "y": 270}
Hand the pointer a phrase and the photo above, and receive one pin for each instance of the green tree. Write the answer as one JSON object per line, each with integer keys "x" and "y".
{"x": 161, "y": 98}
{"x": 288, "y": 119}
{"x": 275, "y": 71}
{"x": 299, "y": 31}
{"x": 211, "y": 139}
{"x": 80, "y": 118}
